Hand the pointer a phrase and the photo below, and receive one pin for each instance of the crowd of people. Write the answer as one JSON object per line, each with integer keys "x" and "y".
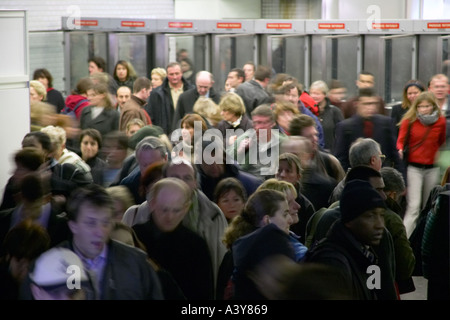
{"x": 164, "y": 188}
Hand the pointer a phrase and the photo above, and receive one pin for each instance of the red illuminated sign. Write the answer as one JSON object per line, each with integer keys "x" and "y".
{"x": 229, "y": 25}
{"x": 279, "y": 25}
{"x": 181, "y": 24}
{"x": 134, "y": 24}
{"x": 331, "y": 25}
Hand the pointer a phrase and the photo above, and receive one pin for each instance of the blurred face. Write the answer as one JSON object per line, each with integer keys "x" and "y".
{"x": 317, "y": 95}
{"x": 365, "y": 81}
{"x": 249, "y": 72}
{"x": 338, "y": 94}
{"x": 233, "y": 79}
{"x": 368, "y": 227}
{"x": 425, "y": 107}
{"x": 96, "y": 99}
{"x": 293, "y": 206}
{"x": 185, "y": 66}
{"x": 284, "y": 119}
{"x": 203, "y": 85}
{"x": 287, "y": 173}
{"x": 132, "y": 129}
{"x": 123, "y": 95}
{"x": 262, "y": 123}
{"x": 121, "y": 72}
{"x": 114, "y": 153}
{"x": 174, "y": 75}
{"x": 292, "y": 96}
{"x": 89, "y": 147}
{"x": 228, "y": 116}
{"x": 92, "y": 229}
{"x": 156, "y": 80}
{"x": 378, "y": 184}
{"x": 44, "y": 81}
{"x": 183, "y": 172}
{"x": 213, "y": 170}
{"x": 93, "y": 68}
{"x": 187, "y": 133}
{"x": 231, "y": 204}
{"x": 282, "y": 217}
{"x": 367, "y": 106}
{"x": 169, "y": 208}
{"x": 227, "y": 86}
{"x": 312, "y": 135}
{"x": 34, "y": 96}
{"x": 412, "y": 93}
{"x": 147, "y": 157}
{"x": 440, "y": 88}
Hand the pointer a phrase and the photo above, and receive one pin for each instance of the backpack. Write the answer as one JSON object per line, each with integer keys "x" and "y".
{"x": 71, "y": 112}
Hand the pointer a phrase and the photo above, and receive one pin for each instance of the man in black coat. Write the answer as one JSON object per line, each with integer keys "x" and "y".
{"x": 367, "y": 124}
{"x": 163, "y": 99}
{"x": 204, "y": 82}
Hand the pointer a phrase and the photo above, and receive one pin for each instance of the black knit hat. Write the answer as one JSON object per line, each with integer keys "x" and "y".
{"x": 358, "y": 197}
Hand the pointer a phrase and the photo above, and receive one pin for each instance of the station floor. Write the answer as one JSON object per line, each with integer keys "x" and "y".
{"x": 421, "y": 290}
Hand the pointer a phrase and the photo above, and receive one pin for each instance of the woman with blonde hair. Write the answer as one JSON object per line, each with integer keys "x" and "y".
{"x": 422, "y": 133}
{"x": 157, "y": 76}
{"x": 232, "y": 110}
{"x": 208, "y": 109}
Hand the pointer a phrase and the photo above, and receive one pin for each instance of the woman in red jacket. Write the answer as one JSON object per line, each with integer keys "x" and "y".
{"x": 422, "y": 132}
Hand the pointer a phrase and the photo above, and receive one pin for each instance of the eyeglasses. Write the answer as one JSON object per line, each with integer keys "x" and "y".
{"x": 382, "y": 157}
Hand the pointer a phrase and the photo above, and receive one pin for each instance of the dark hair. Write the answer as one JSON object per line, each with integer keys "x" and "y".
{"x": 42, "y": 137}
{"x": 228, "y": 184}
{"x": 29, "y": 157}
{"x": 240, "y": 72}
{"x": 119, "y": 136}
{"x": 141, "y": 83}
{"x": 93, "y": 194}
{"x": 261, "y": 203}
{"x": 43, "y": 73}
{"x": 33, "y": 187}
{"x": 411, "y": 83}
{"x": 300, "y": 122}
{"x": 362, "y": 173}
{"x": 262, "y": 73}
{"x": 153, "y": 173}
{"x": 26, "y": 240}
{"x": 131, "y": 73}
{"x": 335, "y": 84}
{"x": 366, "y": 92}
{"x": 94, "y": 134}
{"x": 393, "y": 179}
{"x": 99, "y": 61}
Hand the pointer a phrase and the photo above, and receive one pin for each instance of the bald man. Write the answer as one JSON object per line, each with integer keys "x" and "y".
{"x": 204, "y": 82}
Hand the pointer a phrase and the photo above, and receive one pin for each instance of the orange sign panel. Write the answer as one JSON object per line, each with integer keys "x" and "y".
{"x": 139, "y": 24}
{"x": 90, "y": 23}
{"x": 181, "y": 24}
{"x": 385, "y": 25}
{"x": 331, "y": 25}
{"x": 279, "y": 25}
{"x": 229, "y": 25}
